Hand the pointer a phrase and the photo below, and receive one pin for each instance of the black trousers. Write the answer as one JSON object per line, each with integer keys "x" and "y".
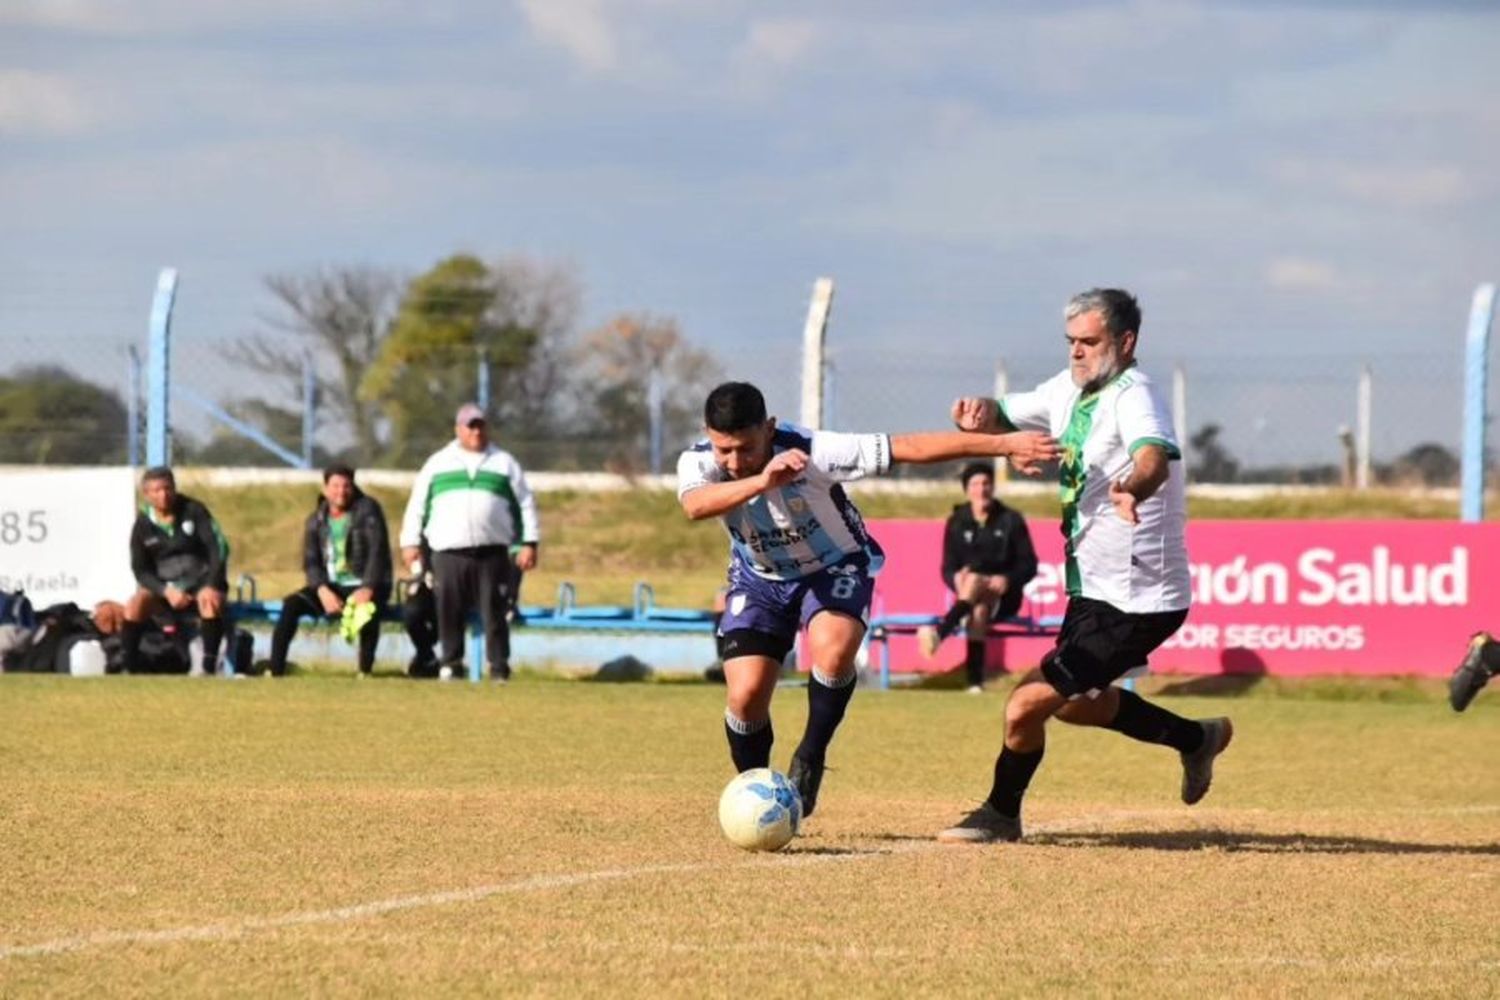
{"x": 466, "y": 579}
{"x": 305, "y": 604}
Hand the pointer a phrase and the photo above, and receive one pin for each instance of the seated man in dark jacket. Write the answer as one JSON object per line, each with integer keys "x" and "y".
{"x": 180, "y": 563}
{"x": 346, "y": 554}
{"x": 987, "y": 560}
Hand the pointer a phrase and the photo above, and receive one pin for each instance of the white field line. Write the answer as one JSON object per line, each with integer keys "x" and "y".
{"x": 226, "y": 930}
{"x": 534, "y": 883}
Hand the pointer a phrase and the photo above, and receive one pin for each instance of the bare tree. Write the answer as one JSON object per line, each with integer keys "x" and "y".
{"x": 340, "y": 315}
{"x": 620, "y": 360}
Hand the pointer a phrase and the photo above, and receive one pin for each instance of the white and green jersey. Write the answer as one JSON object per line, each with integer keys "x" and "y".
{"x": 1137, "y": 568}
{"x": 464, "y": 499}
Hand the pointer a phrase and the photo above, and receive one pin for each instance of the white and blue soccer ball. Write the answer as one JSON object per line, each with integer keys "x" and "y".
{"x": 760, "y": 810}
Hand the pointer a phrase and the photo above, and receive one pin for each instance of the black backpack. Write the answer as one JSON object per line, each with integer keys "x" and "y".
{"x": 160, "y": 652}
{"x": 59, "y": 628}
{"x": 15, "y": 609}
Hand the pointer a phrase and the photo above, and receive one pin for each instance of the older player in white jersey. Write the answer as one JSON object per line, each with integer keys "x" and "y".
{"x": 800, "y": 556}
{"x": 1123, "y": 513}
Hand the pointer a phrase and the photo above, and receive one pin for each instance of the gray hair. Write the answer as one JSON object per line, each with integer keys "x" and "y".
{"x": 1121, "y": 312}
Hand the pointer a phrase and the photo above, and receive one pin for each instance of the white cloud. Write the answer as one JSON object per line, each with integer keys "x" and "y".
{"x": 39, "y": 104}
{"x": 579, "y": 27}
{"x": 1302, "y": 274}
{"x": 157, "y": 18}
{"x": 1432, "y": 185}
{"x": 781, "y": 41}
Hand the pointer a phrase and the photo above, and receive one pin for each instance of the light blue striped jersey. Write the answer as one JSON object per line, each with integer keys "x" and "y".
{"x": 809, "y": 524}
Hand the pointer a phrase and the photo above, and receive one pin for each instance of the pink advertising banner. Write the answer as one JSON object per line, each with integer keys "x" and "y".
{"x": 1279, "y": 597}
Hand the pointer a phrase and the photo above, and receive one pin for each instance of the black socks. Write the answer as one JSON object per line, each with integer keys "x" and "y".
{"x": 749, "y": 742}
{"x": 1013, "y": 771}
{"x": 953, "y": 618}
{"x": 1141, "y": 720}
{"x": 974, "y": 662}
{"x": 211, "y": 630}
{"x": 825, "y": 710}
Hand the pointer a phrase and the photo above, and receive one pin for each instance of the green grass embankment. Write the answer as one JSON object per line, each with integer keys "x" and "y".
{"x": 606, "y": 541}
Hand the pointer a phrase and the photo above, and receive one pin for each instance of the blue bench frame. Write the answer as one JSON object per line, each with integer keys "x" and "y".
{"x": 885, "y": 626}
{"x": 644, "y": 615}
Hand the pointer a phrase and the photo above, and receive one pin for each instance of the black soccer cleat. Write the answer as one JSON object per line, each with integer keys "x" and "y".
{"x": 1471, "y": 675}
{"x": 984, "y": 825}
{"x": 806, "y": 778}
{"x": 1198, "y": 766}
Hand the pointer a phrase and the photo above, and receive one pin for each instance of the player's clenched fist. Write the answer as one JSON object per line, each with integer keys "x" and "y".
{"x": 975, "y": 413}
{"x": 784, "y": 467}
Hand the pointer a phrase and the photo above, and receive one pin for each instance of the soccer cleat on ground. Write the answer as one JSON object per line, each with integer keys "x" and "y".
{"x": 1471, "y": 674}
{"x": 807, "y": 778}
{"x": 974, "y": 689}
{"x": 984, "y": 825}
{"x": 1198, "y": 766}
{"x": 928, "y": 640}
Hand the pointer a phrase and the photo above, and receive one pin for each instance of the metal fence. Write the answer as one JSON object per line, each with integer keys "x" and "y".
{"x": 69, "y": 399}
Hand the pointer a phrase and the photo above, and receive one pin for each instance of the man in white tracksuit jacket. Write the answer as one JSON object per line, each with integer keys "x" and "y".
{"x": 472, "y": 504}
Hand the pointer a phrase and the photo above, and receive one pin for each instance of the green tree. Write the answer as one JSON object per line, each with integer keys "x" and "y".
{"x": 49, "y": 416}
{"x": 514, "y": 317}
{"x": 1211, "y": 461}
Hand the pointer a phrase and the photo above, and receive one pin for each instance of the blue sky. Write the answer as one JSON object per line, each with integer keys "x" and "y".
{"x": 1272, "y": 178}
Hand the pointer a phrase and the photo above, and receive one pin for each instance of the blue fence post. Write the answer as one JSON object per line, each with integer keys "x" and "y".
{"x": 476, "y": 653}
{"x": 1476, "y": 387}
{"x": 159, "y": 361}
{"x": 133, "y": 409}
{"x": 482, "y": 381}
{"x": 309, "y": 408}
{"x": 655, "y": 403}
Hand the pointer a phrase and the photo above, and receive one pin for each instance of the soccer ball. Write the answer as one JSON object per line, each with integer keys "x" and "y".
{"x": 760, "y": 810}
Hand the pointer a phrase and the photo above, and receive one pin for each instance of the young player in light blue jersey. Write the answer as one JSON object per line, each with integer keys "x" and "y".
{"x": 801, "y": 556}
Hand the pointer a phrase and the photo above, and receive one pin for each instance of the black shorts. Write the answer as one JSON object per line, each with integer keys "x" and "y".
{"x": 1099, "y": 643}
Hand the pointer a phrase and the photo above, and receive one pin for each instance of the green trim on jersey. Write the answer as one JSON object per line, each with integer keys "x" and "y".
{"x": 1005, "y": 420}
{"x": 337, "y": 556}
{"x": 1071, "y": 476}
{"x": 1171, "y": 449}
{"x": 484, "y": 481}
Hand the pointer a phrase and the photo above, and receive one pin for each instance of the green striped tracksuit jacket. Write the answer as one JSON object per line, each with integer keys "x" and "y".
{"x": 465, "y": 499}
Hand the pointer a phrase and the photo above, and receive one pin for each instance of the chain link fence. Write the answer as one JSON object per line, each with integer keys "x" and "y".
{"x": 68, "y": 399}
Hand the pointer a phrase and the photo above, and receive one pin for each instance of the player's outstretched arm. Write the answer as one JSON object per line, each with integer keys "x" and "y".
{"x": 714, "y": 499}
{"x": 1027, "y": 450}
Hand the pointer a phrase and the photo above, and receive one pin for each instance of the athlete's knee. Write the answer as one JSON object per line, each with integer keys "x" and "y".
{"x": 1030, "y": 705}
{"x": 138, "y": 606}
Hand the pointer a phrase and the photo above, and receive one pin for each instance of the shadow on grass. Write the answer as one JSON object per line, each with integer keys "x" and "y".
{"x": 800, "y": 849}
{"x": 1213, "y": 685}
{"x": 1261, "y": 843}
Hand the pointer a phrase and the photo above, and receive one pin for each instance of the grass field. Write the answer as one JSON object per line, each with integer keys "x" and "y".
{"x": 325, "y": 836}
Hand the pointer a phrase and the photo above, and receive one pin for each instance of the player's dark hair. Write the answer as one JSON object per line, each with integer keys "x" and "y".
{"x": 976, "y": 469}
{"x": 1121, "y": 312}
{"x": 734, "y": 406}
{"x": 158, "y": 473}
{"x": 338, "y": 470}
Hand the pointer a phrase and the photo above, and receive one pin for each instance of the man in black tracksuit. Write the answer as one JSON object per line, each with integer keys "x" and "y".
{"x": 988, "y": 559}
{"x": 180, "y": 562}
{"x": 346, "y": 554}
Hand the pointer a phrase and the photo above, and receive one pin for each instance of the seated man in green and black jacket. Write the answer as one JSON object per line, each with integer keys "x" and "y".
{"x": 988, "y": 560}
{"x": 346, "y": 553}
{"x": 180, "y": 561}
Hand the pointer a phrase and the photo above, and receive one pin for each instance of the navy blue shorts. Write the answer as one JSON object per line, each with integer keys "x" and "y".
{"x": 774, "y": 610}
